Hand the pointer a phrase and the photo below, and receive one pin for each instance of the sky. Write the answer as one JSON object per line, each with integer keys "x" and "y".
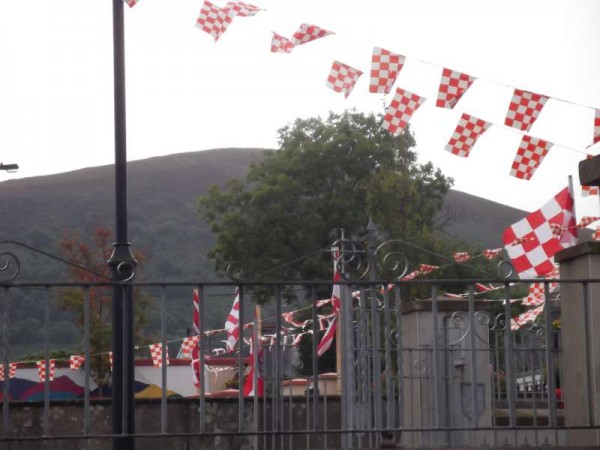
{"x": 187, "y": 93}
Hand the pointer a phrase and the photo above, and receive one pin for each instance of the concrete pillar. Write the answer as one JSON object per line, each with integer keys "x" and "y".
{"x": 580, "y": 334}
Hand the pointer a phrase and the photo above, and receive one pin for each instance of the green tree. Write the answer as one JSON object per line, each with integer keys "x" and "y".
{"x": 328, "y": 174}
{"x": 93, "y": 257}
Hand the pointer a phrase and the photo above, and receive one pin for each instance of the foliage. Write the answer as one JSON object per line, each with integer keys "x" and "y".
{"x": 328, "y": 175}
{"x": 93, "y": 258}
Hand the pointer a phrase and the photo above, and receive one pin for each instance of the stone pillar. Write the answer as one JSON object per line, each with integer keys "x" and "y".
{"x": 580, "y": 334}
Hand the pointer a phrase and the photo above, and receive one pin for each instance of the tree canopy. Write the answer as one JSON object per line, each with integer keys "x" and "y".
{"x": 327, "y": 175}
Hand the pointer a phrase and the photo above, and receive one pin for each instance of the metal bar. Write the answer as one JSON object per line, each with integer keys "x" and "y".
{"x": 376, "y": 365}
{"x": 240, "y": 345}
{"x": 348, "y": 355}
{"x": 399, "y": 356}
{"x": 6, "y": 362}
{"x": 388, "y": 358}
{"x": 164, "y": 362}
{"x": 315, "y": 357}
{"x": 278, "y": 404}
{"x": 510, "y": 371}
{"x": 47, "y": 362}
{"x": 435, "y": 366}
{"x": 255, "y": 362}
{"x": 474, "y": 417}
{"x": 588, "y": 368}
{"x": 88, "y": 362}
{"x": 201, "y": 353}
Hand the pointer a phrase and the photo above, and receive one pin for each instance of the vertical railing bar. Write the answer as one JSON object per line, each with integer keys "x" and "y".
{"x": 278, "y": 361}
{"x": 365, "y": 364}
{"x": 532, "y": 354}
{"x": 412, "y": 394}
{"x": 399, "y": 356}
{"x": 474, "y": 417}
{"x": 510, "y": 375}
{"x": 256, "y": 349}
{"x": 201, "y": 353}
{"x": 240, "y": 346}
{"x": 347, "y": 324}
{"x": 47, "y": 358}
{"x": 436, "y": 393}
{"x": 325, "y": 428}
{"x": 291, "y": 425}
{"x": 164, "y": 362}
{"x": 6, "y": 362}
{"x": 315, "y": 359}
{"x": 376, "y": 364}
{"x": 370, "y": 369}
{"x": 586, "y": 334}
{"x": 87, "y": 362}
{"x": 388, "y": 358}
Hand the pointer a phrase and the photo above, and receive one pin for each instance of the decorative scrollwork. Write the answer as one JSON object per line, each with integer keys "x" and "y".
{"x": 420, "y": 366}
{"x": 352, "y": 258}
{"x": 392, "y": 262}
{"x": 506, "y": 269}
{"x": 9, "y": 267}
{"x": 499, "y": 323}
{"x": 298, "y": 364}
{"x": 234, "y": 271}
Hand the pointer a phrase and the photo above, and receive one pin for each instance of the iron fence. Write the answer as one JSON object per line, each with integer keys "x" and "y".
{"x": 415, "y": 367}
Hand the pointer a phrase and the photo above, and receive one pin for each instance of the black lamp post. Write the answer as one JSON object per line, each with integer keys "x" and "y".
{"x": 121, "y": 262}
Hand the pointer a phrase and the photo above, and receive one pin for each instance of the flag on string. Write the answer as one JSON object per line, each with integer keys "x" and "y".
{"x": 131, "y": 3}
{"x": 156, "y": 352}
{"x": 12, "y": 370}
{"x": 491, "y": 253}
{"x": 280, "y": 44}
{"x": 307, "y": 33}
{"x": 342, "y": 78}
{"x": 452, "y": 87}
{"x": 596, "y": 234}
{"x": 233, "y": 332}
{"x": 327, "y": 338}
{"x": 529, "y": 156}
{"x": 596, "y": 126}
{"x": 75, "y": 361}
{"x": 385, "y": 67}
{"x": 1, "y": 372}
{"x": 187, "y": 346}
{"x": 195, "y": 346}
{"x": 214, "y": 20}
{"x": 424, "y": 269}
{"x": 534, "y": 255}
{"x": 41, "y": 367}
{"x": 587, "y": 220}
{"x": 242, "y": 9}
{"x": 586, "y": 191}
{"x": 526, "y": 317}
{"x": 537, "y": 293}
{"x": 465, "y": 136}
{"x": 410, "y": 276}
{"x": 461, "y": 257}
{"x": 524, "y": 109}
{"x": 399, "y": 112}
{"x": 250, "y": 388}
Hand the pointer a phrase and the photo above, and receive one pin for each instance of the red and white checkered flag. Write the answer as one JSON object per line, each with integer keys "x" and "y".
{"x": 41, "y": 367}
{"x": 188, "y": 344}
{"x": 75, "y": 361}
{"x": 526, "y": 317}
{"x": 342, "y": 78}
{"x": 467, "y": 132}
{"x": 242, "y": 9}
{"x": 231, "y": 325}
{"x": 586, "y": 191}
{"x": 280, "y": 44}
{"x": 398, "y": 114}
{"x": 410, "y": 276}
{"x": 427, "y": 268}
{"x": 307, "y": 33}
{"x": 12, "y": 370}
{"x": 452, "y": 87}
{"x": 214, "y": 20}
{"x": 596, "y": 126}
{"x": 156, "y": 353}
{"x": 534, "y": 256}
{"x": 461, "y": 257}
{"x": 596, "y": 234}
{"x": 385, "y": 67}
{"x": 537, "y": 293}
{"x": 529, "y": 156}
{"x": 524, "y": 109}
{"x": 587, "y": 220}
{"x": 131, "y": 3}
{"x": 491, "y": 253}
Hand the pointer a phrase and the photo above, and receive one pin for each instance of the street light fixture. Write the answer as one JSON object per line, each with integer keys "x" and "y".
{"x": 9, "y": 167}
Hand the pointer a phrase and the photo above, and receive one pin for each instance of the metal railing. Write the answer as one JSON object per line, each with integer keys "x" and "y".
{"x": 420, "y": 372}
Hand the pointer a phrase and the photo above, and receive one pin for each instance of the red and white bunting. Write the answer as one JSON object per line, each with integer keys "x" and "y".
{"x": 327, "y": 338}
{"x": 75, "y": 361}
{"x": 468, "y": 130}
{"x": 298, "y": 339}
{"x": 399, "y": 112}
{"x": 424, "y": 269}
{"x": 529, "y": 156}
{"x": 461, "y": 257}
{"x": 524, "y": 109}
{"x": 307, "y": 33}
{"x": 280, "y": 44}
{"x": 131, "y": 3}
{"x": 596, "y": 126}
{"x": 213, "y": 20}
{"x": 491, "y": 253}
{"x": 195, "y": 348}
{"x": 12, "y": 370}
{"x": 534, "y": 256}
{"x": 410, "y": 276}
{"x": 385, "y": 67}
{"x": 251, "y": 386}
{"x": 586, "y": 191}
{"x": 596, "y": 234}
{"x": 526, "y": 317}
{"x": 452, "y": 87}
{"x": 557, "y": 230}
{"x": 41, "y": 367}
{"x": 483, "y": 288}
{"x": 342, "y": 78}
{"x": 187, "y": 346}
{"x": 233, "y": 320}
{"x": 1, "y": 372}
{"x": 110, "y": 360}
{"x": 242, "y": 9}
{"x": 156, "y": 353}
{"x": 289, "y": 318}
{"x": 587, "y": 220}
{"x": 537, "y": 293}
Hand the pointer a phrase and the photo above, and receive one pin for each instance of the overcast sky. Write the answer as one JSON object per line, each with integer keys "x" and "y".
{"x": 186, "y": 93}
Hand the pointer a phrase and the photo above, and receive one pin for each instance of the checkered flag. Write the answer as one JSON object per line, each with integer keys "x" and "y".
{"x": 586, "y": 191}
{"x": 461, "y": 257}
{"x": 467, "y": 132}
{"x": 452, "y": 87}
{"x": 398, "y": 114}
{"x": 534, "y": 255}
{"x": 596, "y": 126}
{"x": 242, "y": 9}
{"x": 131, "y": 3}
{"x": 342, "y": 78}
{"x": 529, "y": 156}
{"x": 524, "y": 109}
{"x": 280, "y": 44}
{"x": 526, "y": 317}
{"x": 214, "y": 20}
{"x": 157, "y": 355}
{"x": 41, "y": 367}
{"x": 307, "y": 33}
{"x": 75, "y": 361}
{"x": 385, "y": 67}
